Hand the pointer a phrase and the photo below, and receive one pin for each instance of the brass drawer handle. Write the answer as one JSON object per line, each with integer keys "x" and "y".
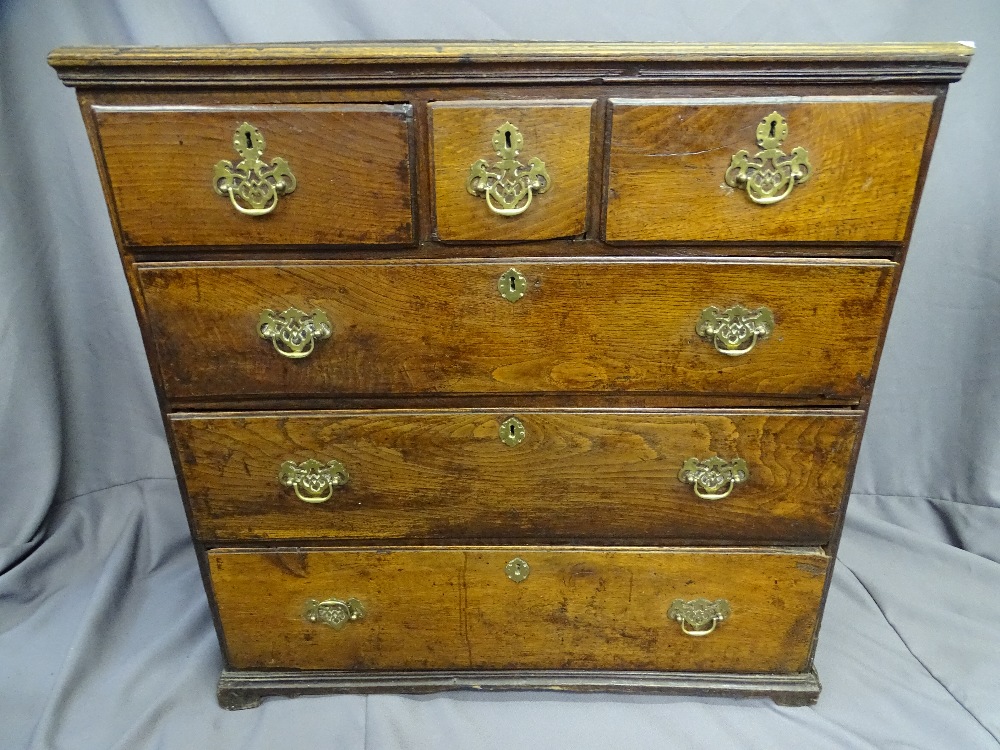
{"x": 698, "y": 617}
{"x": 292, "y": 332}
{"x": 713, "y": 478}
{"x": 253, "y": 185}
{"x": 334, "y": 612}
{"x": 769, "y": 175}
{"x": 735, "y": 330}
{"x": 313, "y": 481}
{"x": 508, "y": 185}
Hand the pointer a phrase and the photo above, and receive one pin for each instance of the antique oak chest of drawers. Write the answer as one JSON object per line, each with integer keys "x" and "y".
{"x": 514, "y": 365}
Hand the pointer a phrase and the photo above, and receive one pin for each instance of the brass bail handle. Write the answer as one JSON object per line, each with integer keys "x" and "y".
{"x": 714, "y": 478}
{"x": 508, "y": 185}
{"x": 335, "y": 613}
{"x": 293, "y": 333}
{"x": 699, "y": 617}
{"x": 253, "y": 185}
{"x": 313, "y": 481}
{"x": 735, "y": 330}
{"x": 769, "y": 175}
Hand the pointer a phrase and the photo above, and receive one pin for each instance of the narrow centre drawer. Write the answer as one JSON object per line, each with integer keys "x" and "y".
{"x": 463, "y": 608}
{"x": 265, "y": 175}
{"x": 807, "y": 328}
{"x": 510, "y": 170}
{"x": 602, "y": 476}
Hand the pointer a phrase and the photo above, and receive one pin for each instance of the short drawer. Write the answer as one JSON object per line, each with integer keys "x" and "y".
{"x": 514, "y": 170}
{"x": 611, "y": 476}
{"x": 420, "y": 327}
{"x": 792, "y": 169}
{"x": 464, "y": 608}
{"x": 259, "y": 176}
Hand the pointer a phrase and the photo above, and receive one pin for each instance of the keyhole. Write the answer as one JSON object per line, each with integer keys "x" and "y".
{"x": 250, "y": 140}
{"x": 512, "y": 430}
{"x": 513, "y": 288}
{"x": 507, "y": 138}
{"x": 774, "y": 124}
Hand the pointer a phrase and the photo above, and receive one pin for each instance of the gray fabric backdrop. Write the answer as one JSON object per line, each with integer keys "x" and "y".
{"x": 105, "y": 637}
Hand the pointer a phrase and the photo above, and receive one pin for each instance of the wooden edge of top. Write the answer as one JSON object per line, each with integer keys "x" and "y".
{"x": 493, "y": 51}
{"x": 157, "y": 65}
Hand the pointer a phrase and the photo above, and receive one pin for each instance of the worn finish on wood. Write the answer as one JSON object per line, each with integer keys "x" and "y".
{"x": 557, "y": 132}
{"x": 669, "y": 161}
{"x": 600, "y": 476}
{"x": 497, "y": 63}
{"x": 426, "y": 358}
{"x": 239, "y": 689}
{"x": 424, "y": 327}
{"x": 351, "y": 163}
{"x": 454, "y": 608}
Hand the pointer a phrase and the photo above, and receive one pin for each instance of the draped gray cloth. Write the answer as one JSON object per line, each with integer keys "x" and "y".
{"x": 105, "y": 635}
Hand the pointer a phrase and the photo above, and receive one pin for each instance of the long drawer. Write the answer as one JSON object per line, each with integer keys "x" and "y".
{"x": 609, "y": 476}
{"x": 748, "y": 327}
{"x": 511, "y": 608}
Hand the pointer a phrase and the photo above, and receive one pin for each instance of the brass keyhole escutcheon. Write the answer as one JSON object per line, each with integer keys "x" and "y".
{"x": 517, "y": 570}
{"x": 508, "y": 185}
{"x": 512, "y": 431}
{"x": 769, "y": 175}
{"x": 252, "y": 184}
{"x": 512, "y": 285}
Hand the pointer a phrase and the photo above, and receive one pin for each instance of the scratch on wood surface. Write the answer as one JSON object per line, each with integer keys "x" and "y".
{"x": 687, "y": 153}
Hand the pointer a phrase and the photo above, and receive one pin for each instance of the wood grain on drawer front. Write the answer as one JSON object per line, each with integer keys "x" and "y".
{"x": 442, "y": 327}
{"x": 351, "y": 164}
{"x": 595, "y": 476}
{"x": 557, "y": 132}
{"x": 669, "y": 160}
{"x": 454, "y": 608}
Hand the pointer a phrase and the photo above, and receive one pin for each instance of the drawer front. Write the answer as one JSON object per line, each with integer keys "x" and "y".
{"x": 350, "y": 165}
{"x": 540, "y": 475}
{"x": 452, "y": 608}
{"x": 444, "y": 327}
{"x": 673, "y": 176}
{"x": 487, "y": 182}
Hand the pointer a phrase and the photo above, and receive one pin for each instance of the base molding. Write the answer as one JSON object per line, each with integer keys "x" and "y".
{"x": 240, "y": 689}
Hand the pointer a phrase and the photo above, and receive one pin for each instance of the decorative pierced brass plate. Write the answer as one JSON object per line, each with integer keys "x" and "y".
{"x": 713, "y": 478}
{"x": 735, "y": 330}
{"x": 508, "y": 185}
{"x": 699, "y": 617}
{"x": 293, "y": 333}
{"x": 769, "y": 175}
{"x": 253, "y": 186}
{"x": 512, "y": 285}
{"x": 313, "y": 481}
{"x": 512, "y": 431}
{"x": 517, "y": 570}
{"x": 334, "y": 612}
